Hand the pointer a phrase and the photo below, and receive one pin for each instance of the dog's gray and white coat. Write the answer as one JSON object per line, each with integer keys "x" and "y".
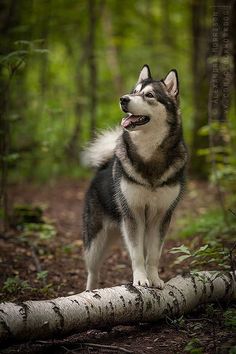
{"x": 139, "y": 179}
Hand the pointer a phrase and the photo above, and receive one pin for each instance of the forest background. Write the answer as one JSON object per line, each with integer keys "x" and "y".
{"x": 63, "y": 66}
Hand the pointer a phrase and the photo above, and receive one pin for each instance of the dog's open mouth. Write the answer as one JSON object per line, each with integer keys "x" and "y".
{"x": 131, "y": 121}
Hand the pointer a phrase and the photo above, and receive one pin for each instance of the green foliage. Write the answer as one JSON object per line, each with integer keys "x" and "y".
{"x": 194, "y": 347}
{"x": 217, "y": 235}
{"x": 212, "y": 253}
{"x": 230, "y": 318}
{"x": 24, "y": 214}
{"x": 38, "y": 231}
{"x": 210, "y": 225}
{"x": 221, "y": 156}
{"x": 50, "y": 92}
{"x": 68, "y": 248}
{"x": 15, "y": 285}
{"x": 42, "y": 275}
{"x": 30, "y": 221}
{"x": 176, "y": 322}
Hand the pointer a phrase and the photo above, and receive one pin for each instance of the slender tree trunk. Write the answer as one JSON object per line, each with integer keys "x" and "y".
{"x": 112, "y": 306}
{"x": 220, "y": 67}
{"x": 200, "y": 84}
{"x": 8, "y": 19}
{"x": 44, "y": 70}
{"x": 73, "y": 146}
{"x": 233, "y": 38}
{"x": 92, "y": 20}
{"x": 112, "y": 52}
{"x": 4, "y": 151}
{"x": 220, "y": 71}
{"x": 166, "y": 24}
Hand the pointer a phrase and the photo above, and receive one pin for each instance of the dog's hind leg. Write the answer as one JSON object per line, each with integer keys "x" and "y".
{"x": 94, "y": 256}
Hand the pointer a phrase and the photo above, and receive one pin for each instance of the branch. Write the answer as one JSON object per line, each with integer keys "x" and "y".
{"x": 124, "y": 304}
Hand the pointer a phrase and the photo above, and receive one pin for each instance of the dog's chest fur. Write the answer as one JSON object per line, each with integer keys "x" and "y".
{"x": 158, "y": 201}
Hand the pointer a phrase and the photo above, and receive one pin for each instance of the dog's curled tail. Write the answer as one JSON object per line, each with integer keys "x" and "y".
{"x": 101, "y": 150}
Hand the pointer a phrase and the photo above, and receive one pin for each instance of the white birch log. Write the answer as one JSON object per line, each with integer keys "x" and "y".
{"x": 124, "y": 304}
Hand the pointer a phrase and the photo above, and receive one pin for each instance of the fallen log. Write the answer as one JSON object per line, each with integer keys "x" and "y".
{"x": 107, "y": 307}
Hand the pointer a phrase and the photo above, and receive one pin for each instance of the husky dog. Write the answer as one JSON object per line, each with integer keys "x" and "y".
{"x": 139, "y": 179}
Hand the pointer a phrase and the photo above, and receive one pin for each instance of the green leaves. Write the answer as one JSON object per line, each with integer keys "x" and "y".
{"x": 194, "y": 347}
{"x": 14, "y": 285}
{"x": 203, "y": 256}
{"x": 42, "y": 275}
{"x": 40, "y": 231}
{"x": 181, "y": 249}
{"x": 13, "y": 57}
{"x": 11, "y": 157}
{"x": 34, "y": 228}
{"x": 230, "y": 318}
{"x": 211, "y": 225}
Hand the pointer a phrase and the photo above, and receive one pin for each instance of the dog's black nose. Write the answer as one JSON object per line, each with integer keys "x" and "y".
{"x": 124, "y": 100}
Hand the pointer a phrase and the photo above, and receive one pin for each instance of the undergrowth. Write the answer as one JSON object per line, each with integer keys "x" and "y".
{"x": 209, "y": 243}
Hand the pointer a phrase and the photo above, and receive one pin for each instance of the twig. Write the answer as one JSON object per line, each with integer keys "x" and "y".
{"x": 231, "y": 256}
{"x": 105, "y": 346}
{"x": 232, "y": 212}
{"x": 71, "y": 351}
{"x": 85, "y": 344}
{"x": 37, "y": 262}
{"x": 199, "y": 319}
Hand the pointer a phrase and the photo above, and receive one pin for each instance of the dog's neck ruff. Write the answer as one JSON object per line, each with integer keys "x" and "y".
{"x": 166, "y": 162}
{"x": 146, "y": 142}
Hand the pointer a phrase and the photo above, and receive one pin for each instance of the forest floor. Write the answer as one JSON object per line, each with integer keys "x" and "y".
{"x": 44, "y": 267}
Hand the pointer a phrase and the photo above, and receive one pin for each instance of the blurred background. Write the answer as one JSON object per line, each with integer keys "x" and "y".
{"x": 64, "y": 65}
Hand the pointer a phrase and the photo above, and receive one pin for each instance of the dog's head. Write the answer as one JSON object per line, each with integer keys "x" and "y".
{"x": 151, "y": 102}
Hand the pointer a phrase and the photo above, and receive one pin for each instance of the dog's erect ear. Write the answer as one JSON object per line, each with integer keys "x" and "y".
{"x": 171, "y": 82}
{"x": 144, "y": 74}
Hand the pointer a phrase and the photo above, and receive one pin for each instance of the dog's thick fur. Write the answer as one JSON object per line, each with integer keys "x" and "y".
{"x": 139, "y": 179}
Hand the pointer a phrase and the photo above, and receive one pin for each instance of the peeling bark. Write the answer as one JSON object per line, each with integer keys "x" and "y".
{"x": 124, "y": 304}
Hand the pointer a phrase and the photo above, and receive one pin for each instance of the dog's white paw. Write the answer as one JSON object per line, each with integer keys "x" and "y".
{"x": 158, "y": 283}
{"x": 140, "y": 279}
{"x": 154, "y": 280}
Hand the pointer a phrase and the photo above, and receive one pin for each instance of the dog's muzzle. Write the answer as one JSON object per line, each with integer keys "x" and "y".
{"x": 124, "y": 101}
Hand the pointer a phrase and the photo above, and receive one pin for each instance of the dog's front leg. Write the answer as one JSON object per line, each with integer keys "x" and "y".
{"x": 153, "y": 248}
{"x": 133, "y": 232}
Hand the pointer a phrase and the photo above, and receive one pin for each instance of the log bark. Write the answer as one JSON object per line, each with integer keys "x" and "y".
{"x": 124, "y": 304}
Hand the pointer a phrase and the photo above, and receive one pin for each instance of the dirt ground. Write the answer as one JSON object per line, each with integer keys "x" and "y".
{"x": 62, "y": 258}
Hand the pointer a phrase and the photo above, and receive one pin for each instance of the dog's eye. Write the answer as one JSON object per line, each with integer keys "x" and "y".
{"x": 149, "y": 94}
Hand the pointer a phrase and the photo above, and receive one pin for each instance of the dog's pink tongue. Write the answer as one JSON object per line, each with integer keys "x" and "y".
{"x": 127, "y": 120}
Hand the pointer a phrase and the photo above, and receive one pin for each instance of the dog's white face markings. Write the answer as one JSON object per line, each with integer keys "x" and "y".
{"x": 147, "y": 89}
{"x": 138, "y": 88}
{"x": 147, "y": 137}
{"x": 140, "y": 106}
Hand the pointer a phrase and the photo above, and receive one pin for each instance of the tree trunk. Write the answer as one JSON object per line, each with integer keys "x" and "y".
{"x": 92, "y": 65}
{"x": 233, "y": 38}
{"x": 73, "y": 147}
{"x": 221, "y": 82}
{"x": 124, "y": 304}
{"x": 200, "y": 85}
{"x": 9, "y": 18}
{"x": 112, "y": 51}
